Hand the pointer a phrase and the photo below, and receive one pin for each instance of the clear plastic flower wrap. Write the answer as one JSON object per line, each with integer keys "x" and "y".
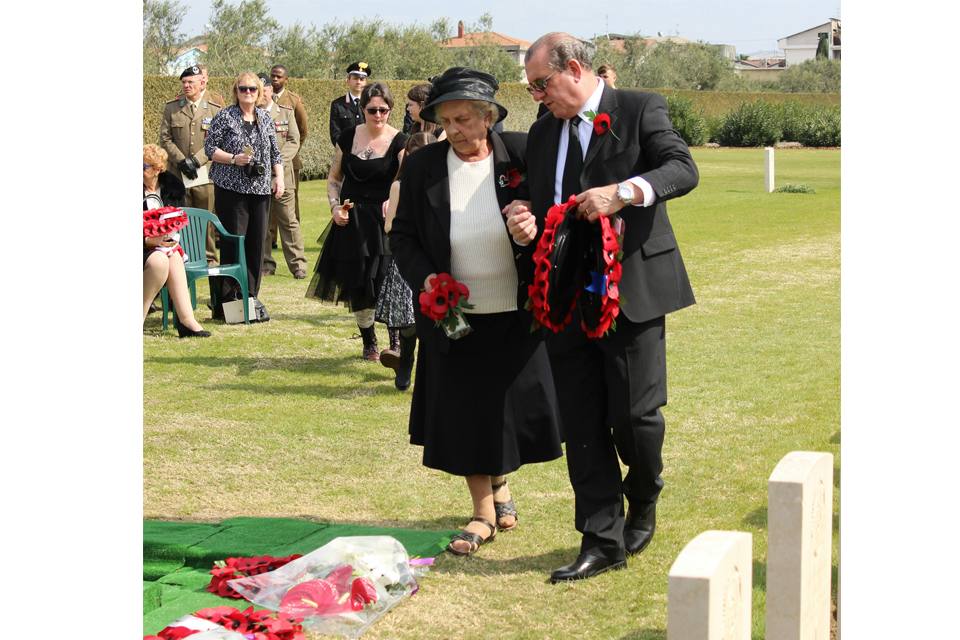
{"x": 341, "y": 588}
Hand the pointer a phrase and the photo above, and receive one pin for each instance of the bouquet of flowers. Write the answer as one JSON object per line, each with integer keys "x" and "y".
{"x": 445, "y": 304}
{"x": 341, "y": 588}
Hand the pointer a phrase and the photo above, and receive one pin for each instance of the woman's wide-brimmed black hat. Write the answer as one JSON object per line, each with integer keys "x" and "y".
{"x": 461, "y": 83}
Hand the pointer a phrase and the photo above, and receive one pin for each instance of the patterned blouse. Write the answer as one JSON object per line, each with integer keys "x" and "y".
{"x": 227, "y": 133}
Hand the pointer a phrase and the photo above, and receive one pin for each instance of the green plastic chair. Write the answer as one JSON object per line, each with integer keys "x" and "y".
{"x": 193, "y": 239}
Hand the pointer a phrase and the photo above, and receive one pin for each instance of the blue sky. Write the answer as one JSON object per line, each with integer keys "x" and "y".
{"x": 748, "y": 25}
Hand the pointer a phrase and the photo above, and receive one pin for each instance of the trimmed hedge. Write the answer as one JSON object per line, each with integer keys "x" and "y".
{"x": 317, "y": 153}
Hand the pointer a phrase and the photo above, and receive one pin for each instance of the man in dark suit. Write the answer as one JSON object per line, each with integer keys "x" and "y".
{"x": 610, "y": 389}
{"x": 345, "y": 111}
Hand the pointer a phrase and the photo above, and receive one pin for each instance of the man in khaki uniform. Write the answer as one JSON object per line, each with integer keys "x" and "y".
{"x": 283, "y": 209}
{"x": 183, "y": 131}
{"x": 284, "y": 96}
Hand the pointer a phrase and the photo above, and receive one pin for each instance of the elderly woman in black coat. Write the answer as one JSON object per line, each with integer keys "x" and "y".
{"x": 483, "y": 404}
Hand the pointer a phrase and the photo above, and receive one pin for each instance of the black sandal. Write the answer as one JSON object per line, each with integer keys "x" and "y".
{"x": 475, "y": 541}
{"x": 505, "y": 509}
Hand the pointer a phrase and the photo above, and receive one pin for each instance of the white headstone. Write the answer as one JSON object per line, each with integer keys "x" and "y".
{"x": 799, "y": 545}
{"x": 709, "y": 588}
{"x": 768, "y": 166}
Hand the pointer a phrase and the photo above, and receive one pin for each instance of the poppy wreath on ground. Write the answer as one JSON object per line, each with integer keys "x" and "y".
{"x": 231, "y": 568}
{"x": 260, "y": 625}
{"x": 159, "y": 222}
{"x": 576, "y": 261}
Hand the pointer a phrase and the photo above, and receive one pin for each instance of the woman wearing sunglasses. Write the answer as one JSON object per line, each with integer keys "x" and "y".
{"x": 242, "y": 142}
{"x": 355, "y": 258}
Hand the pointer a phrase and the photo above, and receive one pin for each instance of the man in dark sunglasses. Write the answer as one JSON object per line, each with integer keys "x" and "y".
{"x": 345, "y": 111}
{"x": 618, "y": 154}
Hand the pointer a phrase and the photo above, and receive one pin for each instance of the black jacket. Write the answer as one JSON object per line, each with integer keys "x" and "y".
{"x": 343, "y": 115}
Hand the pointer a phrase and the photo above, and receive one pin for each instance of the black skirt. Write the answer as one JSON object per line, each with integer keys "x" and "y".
{"x": 489, "y": 405}
{"x": 353, "y": 261}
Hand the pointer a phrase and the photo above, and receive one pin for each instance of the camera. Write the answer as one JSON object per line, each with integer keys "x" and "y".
{"x": 255, "y": 169}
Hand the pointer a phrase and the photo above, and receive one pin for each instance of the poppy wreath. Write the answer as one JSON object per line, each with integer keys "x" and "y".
{"x": 597, "y": 292}
{"x": 600, "y": 305}
{"x": 541, "y": 300}
{"x": 445, "y": 300}
{"x": 241, "y": 568}
{"x": 260, "y": 625}
{"x": 159, "y": 222}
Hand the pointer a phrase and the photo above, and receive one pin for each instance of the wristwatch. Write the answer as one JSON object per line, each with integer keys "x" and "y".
{"x": 233, "y": 159}
{"x": 625, "y": 193}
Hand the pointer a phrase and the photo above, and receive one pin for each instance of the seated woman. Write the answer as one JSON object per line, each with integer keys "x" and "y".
{"x": 161, "y": 189}
{"x": 483, "y": 404}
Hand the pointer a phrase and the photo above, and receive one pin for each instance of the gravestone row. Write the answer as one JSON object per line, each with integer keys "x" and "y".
{"x": 710, "y": 584}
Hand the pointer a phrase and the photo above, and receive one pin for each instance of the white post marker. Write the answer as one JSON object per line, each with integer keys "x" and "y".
{"x": 799, "y": 547}
{"x": 709, "y": 588}
{"x": 768, "y": 165}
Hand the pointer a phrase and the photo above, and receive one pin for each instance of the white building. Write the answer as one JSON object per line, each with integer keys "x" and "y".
{"x": 803, "y": 46}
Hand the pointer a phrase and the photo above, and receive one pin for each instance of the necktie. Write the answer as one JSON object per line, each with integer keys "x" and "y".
{"x": 193, "y": 109}
{"x": 574, "y": 164}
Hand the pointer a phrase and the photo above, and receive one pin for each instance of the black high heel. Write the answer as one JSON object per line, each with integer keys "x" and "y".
{"x": 183, "y": 332}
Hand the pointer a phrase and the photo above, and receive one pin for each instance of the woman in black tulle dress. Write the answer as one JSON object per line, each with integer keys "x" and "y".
{"x": 354, "y": 258}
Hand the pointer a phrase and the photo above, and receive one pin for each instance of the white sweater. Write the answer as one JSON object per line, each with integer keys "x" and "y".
{"x": 480, "y": 253}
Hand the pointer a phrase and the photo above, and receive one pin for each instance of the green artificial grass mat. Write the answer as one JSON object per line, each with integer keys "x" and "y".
{"x": 178, "y": 556}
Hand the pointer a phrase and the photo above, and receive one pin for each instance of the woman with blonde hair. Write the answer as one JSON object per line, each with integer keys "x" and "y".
{"x": 242, "y": 142}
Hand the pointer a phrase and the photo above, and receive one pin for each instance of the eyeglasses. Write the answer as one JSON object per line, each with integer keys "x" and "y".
{"x": 539, "y": 85}
{"x": 243, "y": 89}
{"x": 147, "y": 166}
{"x": 375, "y": 110}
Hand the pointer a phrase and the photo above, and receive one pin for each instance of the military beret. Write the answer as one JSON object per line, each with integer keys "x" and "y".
{"x": 191, "y": 71}
{"x": 361, "y": 69}
{"x": 264, "y": 79}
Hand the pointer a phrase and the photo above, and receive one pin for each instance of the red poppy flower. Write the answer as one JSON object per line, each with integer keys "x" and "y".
{"x": 514, "y": 178}
{"x": 436, "y": 304}
{"x": 601, "y": 124}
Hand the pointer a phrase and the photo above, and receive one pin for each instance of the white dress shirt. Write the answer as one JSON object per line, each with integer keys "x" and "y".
{"x": 586, "y": 132}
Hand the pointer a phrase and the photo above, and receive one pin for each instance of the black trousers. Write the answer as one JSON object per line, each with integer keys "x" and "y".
{"x": 610, "y": 391}
{"x": 243, "y": 214}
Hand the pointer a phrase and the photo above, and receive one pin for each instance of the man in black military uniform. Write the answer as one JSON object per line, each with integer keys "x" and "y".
{"x": 345, "y": 111}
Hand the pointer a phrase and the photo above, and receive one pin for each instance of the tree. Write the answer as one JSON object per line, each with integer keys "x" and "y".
{"x": 693, "y": 66}
{"x": 421, "y": 53}
{"x": 162, "y": 38}
{"x": 811, "y": 76}
{"x": 237, "y": 37}
{"x": 302, "y": 51}
{"x": 823, "y": 47}
{"x": 626, "y": 58}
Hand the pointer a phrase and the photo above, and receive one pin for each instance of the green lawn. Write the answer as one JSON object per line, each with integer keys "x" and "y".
{"x": 284, "y": 419}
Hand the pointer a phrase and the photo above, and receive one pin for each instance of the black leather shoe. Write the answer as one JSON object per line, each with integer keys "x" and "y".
{"x": 638, "y": 532}
{"x": 586, "y": 566}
